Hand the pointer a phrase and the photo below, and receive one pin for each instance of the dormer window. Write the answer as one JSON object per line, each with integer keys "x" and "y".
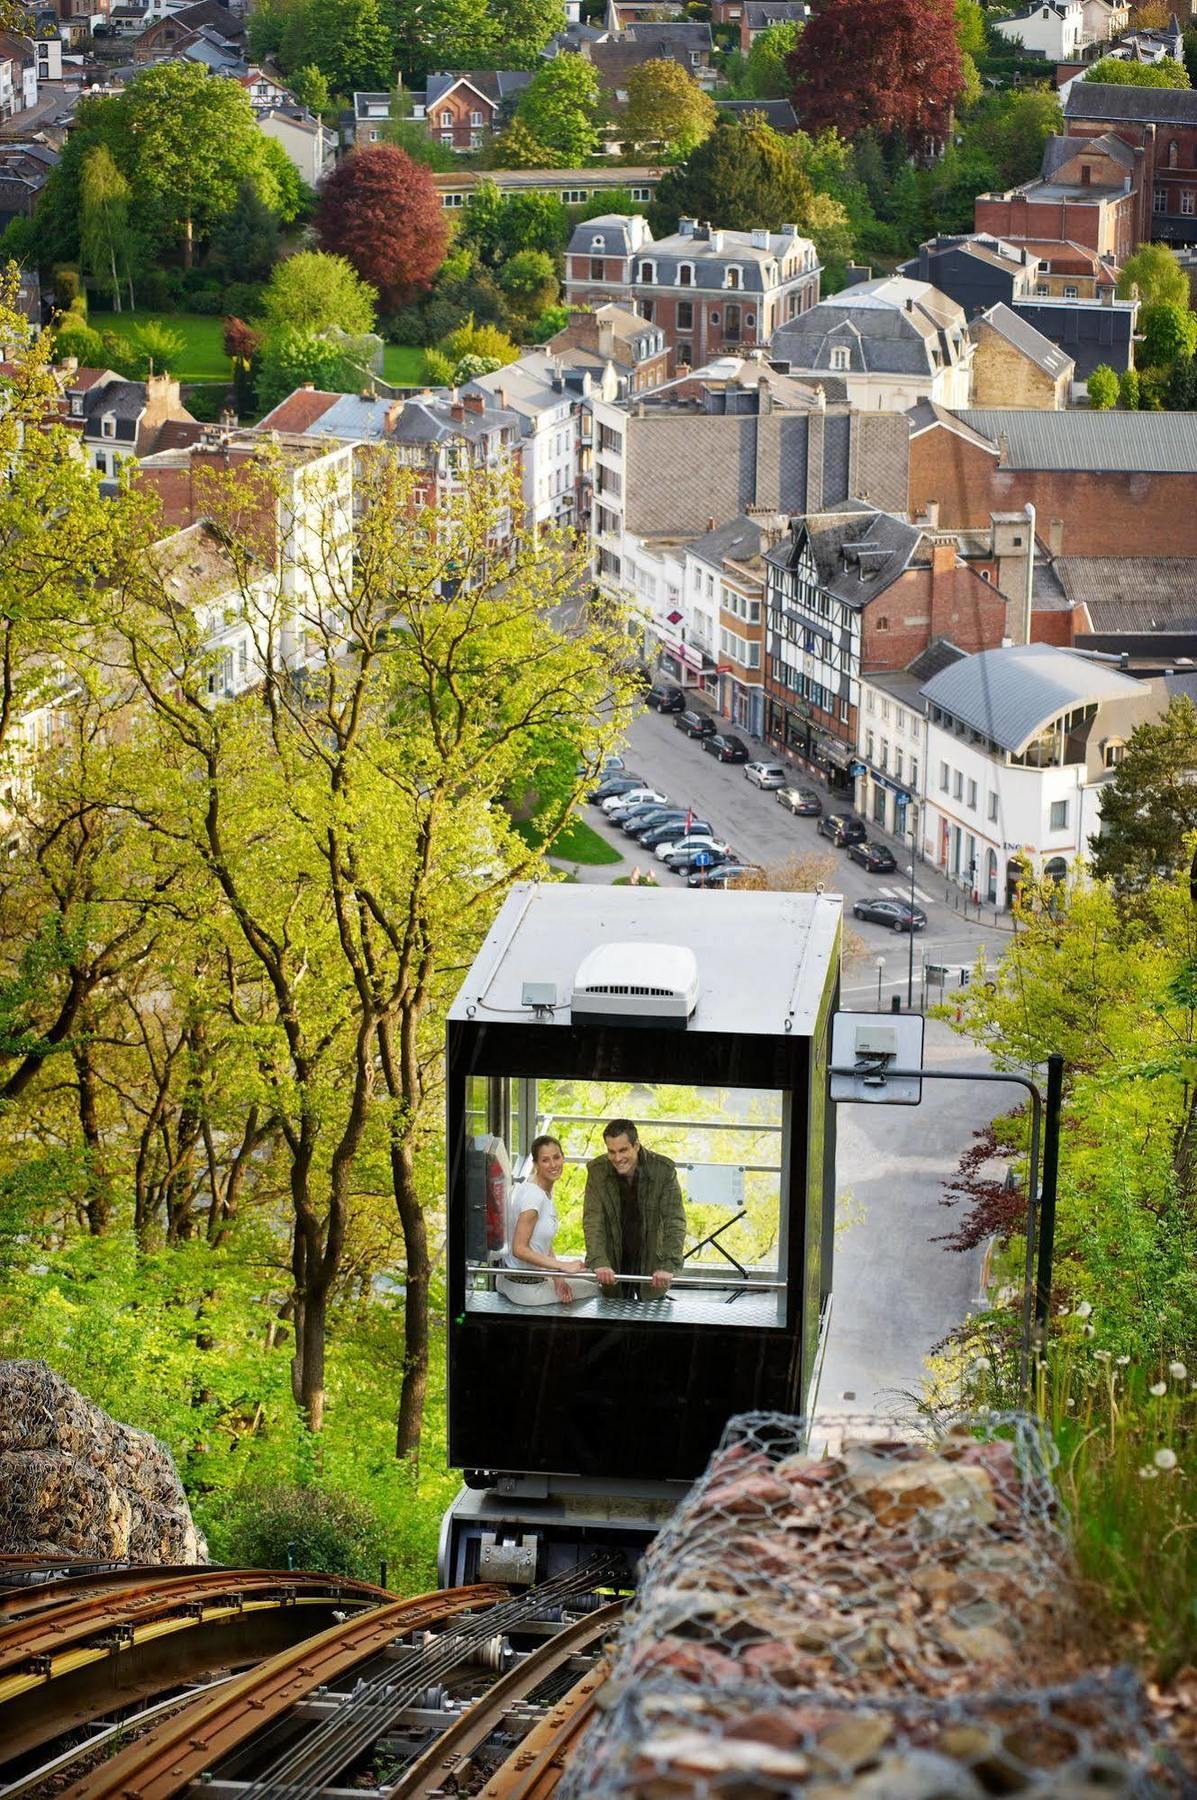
{"x": 648, "y": 271}
{"x": 685, "y": 275}
{"x": 108, "y": 426}
{"x": 733, "y": 278}
{"x": 76, "y": 406}
{"x": 841, "y": 357}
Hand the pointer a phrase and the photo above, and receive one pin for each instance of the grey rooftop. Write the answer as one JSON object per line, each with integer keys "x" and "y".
{"x": 1009, "y": 695}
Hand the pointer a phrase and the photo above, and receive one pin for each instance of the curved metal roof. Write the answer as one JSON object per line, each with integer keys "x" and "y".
{"x": 1010, "y": 694}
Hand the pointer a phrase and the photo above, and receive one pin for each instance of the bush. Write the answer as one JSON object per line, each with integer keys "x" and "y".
{"x": 319, "y": 1528}
{"x": 407, "y": 326}
{"x": 74, "y": 337}
{"x": 154, "y": 344}
{"x": 1128, "y": 390}
{"x": 158, "y": 290}
{"x": 242, "y": 299}
{"x": 68, "y": 285}
{"x": 438, "y": 369}
{"x": 209, "y": 301}
{"x": 1153, "y": 388}
{"x": 1103, "y": 388}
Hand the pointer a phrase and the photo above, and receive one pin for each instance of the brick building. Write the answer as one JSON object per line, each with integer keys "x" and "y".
{"x": 1015, "y": 365}
{"x": 1160, "y": 125}
{"x": 851, "y": 590}
{"x": 713, "y": 293}
{"x": 613, "y": 335}
{"x": 1091, "y": 194}
{"x": 461, "y": 109}
{"x": 1117, "y": 484}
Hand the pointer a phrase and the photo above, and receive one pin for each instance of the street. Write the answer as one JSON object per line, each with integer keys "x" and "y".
{"x": 897, "y": 1292}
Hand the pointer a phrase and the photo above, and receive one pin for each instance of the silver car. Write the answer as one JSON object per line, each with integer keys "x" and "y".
{"x": 767, "y": 775}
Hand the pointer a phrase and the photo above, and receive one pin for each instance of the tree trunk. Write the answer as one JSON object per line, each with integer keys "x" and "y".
{"x": 299, "y": 1283}
{"x": 116, "y": 280}
{"x": 97, "y": 1197}
{"x": 1184, "y": 1151}
{"x": 311, "y": 1378}
{"x": 398, "y": 1073}
{"x": 188, "y": 244}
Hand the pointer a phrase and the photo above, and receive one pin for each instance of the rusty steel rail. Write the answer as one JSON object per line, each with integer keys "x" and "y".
{"x": 56, "y": 1639}
{"x": 455, "y": 1745}
{"x": 75, "y": 1581}
{"x": 533, "y": 1770}
{"x": 165, "y": 1761}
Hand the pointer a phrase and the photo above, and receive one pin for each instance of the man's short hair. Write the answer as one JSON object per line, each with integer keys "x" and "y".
{"x": 621, "y": 1128}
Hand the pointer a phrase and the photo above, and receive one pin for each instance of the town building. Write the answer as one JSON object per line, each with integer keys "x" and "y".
{"x": 1015, "y": 365}
{"x": 614, "y": 337}
{"x": 1055, "y": 30}
{"x": 309, "y": 145}
{"x": 549, "y": 408}
{"x": 1103, "y": 483}
{"x": 1020, "y": 742}
{"x": 883, "y": 345}
{"x": 1161, "y": 125}
{"x": 712, "y": 292}
{"x": 573, "y": 187}
{"x": 371, "y": 115}
{"x": 25, "y": 168}
{"x": 462, "y": 108}
{"x": 891, "y": 744}
{"x": 725, "y": 440}
{"x": 1091, "y": 192}
{"x": 120, "y": 420}
{"x": 852, "y": 589}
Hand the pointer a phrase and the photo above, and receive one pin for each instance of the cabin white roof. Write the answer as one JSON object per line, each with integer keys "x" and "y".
{"x": 765, "y": 961}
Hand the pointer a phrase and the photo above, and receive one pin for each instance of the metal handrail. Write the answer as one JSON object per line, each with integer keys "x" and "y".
{"x": 718, "y": 1285}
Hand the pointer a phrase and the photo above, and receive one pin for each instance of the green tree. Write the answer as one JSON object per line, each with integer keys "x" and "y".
{"x": 1190, "y": 52}
{"x": 742, "y": 176}
{"x": 479, "y": 340}
{"x": 245, "y": 243}
{"x": 529, "y": 279}
{"x": 293, "y": 355}
{"x": 767, "y": 76}
{"x": 1102, "y": 387}
{"x": 347, "y": 40}
{"x": 1165, "y": 74}
{"x": 1010, "y": 130}
{"x": 1169, "y": 333}
{"x": 155, "y": 348}
{"x": 105, "y": 237}
{"x": 1154, "y": 275}
{"x": 514, "y": 147}
{"x": 309, "y": 84}
{"x": 1128, "y": 390}
{"x": 416, "y": 141}
{"x": 311, "y": 291}
{"x": 970, "y": 28}
{"x": 1149, "y": 810}
{"x": 562, "y": 106}
{"x": 667, "y": 113}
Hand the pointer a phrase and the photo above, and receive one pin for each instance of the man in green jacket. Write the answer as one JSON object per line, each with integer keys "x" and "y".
{"x": 632, "y": 1214}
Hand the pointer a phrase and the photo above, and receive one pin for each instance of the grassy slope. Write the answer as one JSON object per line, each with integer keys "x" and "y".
{"x": 203, "y": 358}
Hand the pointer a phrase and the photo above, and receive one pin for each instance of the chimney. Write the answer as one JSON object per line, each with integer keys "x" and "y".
{"x": 1003, "y": 445}
{"x": 501, "y": 398}
{"x": 930, "y": 516}
{"x": 711, "y": 523}
{"x": 307, "y": 387}
{"x": 716, "y": 241}
{"x": 760, "y": 238}
{"x": 391, "y": 418}
{"x": 457, "y": 411}
{"x": 764, "y": 395}
{"x": 475, "y": 403}
{"x": 945, "y": 552}
{"x": 1055, "y": 537}
{"x": 687, "y": 227}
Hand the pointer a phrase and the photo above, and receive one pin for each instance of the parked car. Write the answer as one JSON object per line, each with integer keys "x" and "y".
{"x": 617, "y": 802}
{"x": 722, "y": 876}
{"x": 666, "y": 699}
{"x": 669, "y": 833}
{"x": 689, "y": 840}
{"x": 899, "y": 915}
{"x": 843, "y": 829}
{"x": 639, "y": 811}
{"x": 701, "y": 855}
{"x": 802, "y": 802}
{"x": 726, "y": 747}
{"x": 656, "y": 815}
{"x": 766, "y": 775}
{"x": 610, "y": 765}
{"x": 873, "y": 857}
{"x": 615, "y": 784}
{"x": 694, "y": 724}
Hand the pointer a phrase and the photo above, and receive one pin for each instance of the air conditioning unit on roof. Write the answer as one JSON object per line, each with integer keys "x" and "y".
{"x": 636, "y": 984}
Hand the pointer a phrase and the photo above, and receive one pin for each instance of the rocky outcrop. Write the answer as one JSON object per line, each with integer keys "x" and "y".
{"x": 76, "y": 1483}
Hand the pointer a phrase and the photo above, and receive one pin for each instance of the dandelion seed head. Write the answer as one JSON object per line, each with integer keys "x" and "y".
{"x": 1084, "y": 1309}
{"x": 1158, "y": 1388}
{"x": 1120, "y": 1362}
{"x": 1148, "y": 1474}
{"x": 1164, "y": 1459}
{"x": 1102, "y": 1355}
{"x": 1177, "y": 1371}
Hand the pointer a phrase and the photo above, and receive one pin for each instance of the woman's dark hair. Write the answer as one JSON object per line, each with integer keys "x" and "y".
{"x": 539, "y": 1143}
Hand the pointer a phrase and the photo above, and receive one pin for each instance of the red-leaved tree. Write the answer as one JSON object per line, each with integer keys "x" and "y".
{"x": 889, "y": 65}
{"x": 381, "y": 211}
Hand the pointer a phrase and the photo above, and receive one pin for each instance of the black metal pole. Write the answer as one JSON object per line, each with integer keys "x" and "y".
{"x": 914, "y": 836}
{"x": 1047, "y": 1192}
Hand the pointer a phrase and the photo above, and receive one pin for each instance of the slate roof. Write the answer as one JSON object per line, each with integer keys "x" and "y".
{"x": 760, "y": 14}
{"x": 495, "y": 85}
{"x": 1025, "y": 339}
{"x": 614, "y": 232}
{"x": 741, "y": 538}
{"x": 1133, "y": 593}
{"x": 1148, "y": 106}
{"x": 858, "y": 551}
{"x": 906, "y": 685}
{"x": 893, "y": 326}
{"x": 711, "y": 255}
{"x": 1009, "y": 695}
{"x": 671, "y": 37}
{"x": 777, "y": 113}
{"x": 1060, "y": 150}
{"x": 1163, "y": 443}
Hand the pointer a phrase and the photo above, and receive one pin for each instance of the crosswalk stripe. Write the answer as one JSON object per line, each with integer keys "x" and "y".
{"x": 925, "y": 898}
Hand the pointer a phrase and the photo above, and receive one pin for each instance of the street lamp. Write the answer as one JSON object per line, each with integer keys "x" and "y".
{"x": 879, "y": 965}
{"x": 914, "y": 838}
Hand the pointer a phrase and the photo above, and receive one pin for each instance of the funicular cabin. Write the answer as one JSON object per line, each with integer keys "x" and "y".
{"x": 704, "y": 1020}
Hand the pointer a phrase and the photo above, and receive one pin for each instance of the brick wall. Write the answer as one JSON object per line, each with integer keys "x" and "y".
{"x": 1003, "y": 376}
{"x": 461, "y": 104}
{"x": 944, "y": 600}
{"x": 1104, "y": 514}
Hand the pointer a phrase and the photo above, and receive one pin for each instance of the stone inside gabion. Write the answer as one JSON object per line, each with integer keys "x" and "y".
{"x": 898, "y": 1619}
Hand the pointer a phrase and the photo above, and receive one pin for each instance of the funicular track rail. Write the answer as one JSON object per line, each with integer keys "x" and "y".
{"x": 65, "y": 1582}
{"x": 296, "y": 1722}
{"x": 533, "y": 1771}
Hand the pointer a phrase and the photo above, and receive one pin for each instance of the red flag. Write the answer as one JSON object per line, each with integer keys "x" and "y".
{"x": 689, "y": 820}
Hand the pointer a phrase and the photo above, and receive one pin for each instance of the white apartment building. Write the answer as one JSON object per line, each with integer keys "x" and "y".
{"x": 610, "y": 423}
{"x": 549, "y": 404}
{"x": 1056, "y": 31}
{"x": 1020, "y": 742}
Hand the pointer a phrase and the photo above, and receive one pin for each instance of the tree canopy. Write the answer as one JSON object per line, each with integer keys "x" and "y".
{"x": 667, "y": 113}
{"x": 1155, "y": 275}
{"x": 382, "y": 213}
{"x": 892, "y": 65}
{"x": 312, "y": 291}
{"x": 743, "y": 175}
{"x": 1122, "y": 72}
{"x": 562, "y": 106}
{"x": 1149, "y": 809}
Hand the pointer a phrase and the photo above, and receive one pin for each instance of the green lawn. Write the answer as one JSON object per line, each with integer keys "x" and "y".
{"x": 577, "y": 843}
{"x": 203, "y": 357}
{"x": 403, "y": 365}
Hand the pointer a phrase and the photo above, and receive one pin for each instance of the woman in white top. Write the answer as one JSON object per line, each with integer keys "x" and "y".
{"x": 534, "y": 1227}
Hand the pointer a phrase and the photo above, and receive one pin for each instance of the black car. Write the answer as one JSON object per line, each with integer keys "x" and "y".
{"x": 873, "y": 857}
{"x": 660, "y": 815}
{"x": 725, "y": 747}
{"x": 722, "y": 876}
{"x": 802, "y": 802}
{"x": 899, "y": 915}
{"x": 842, "y": 829}
{"x": 623, "y": 783}
{"x": 670, "y": 830}
{"x": 694, "y": 724}
{"x": 666, "y": 699}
